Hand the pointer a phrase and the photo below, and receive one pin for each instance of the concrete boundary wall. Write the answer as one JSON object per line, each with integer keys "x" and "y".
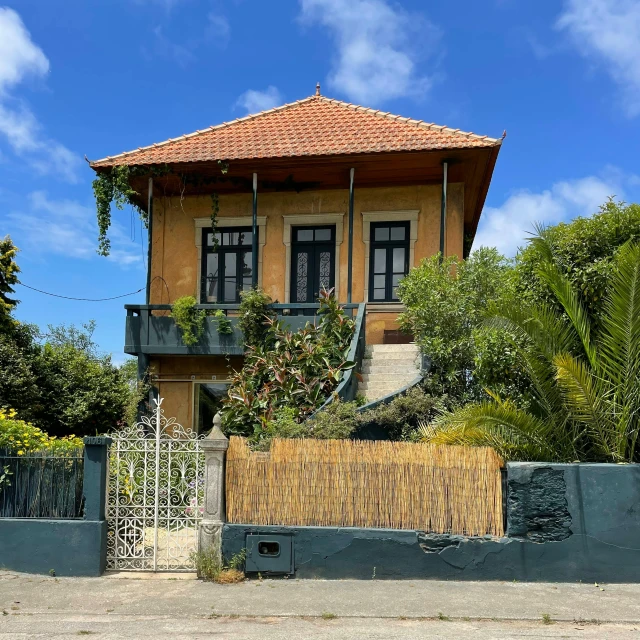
{"x": 73, "y": 547}
{"x": 565, "y": 523}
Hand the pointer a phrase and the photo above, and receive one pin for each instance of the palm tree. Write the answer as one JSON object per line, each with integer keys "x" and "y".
{"x": 586, "y": 386}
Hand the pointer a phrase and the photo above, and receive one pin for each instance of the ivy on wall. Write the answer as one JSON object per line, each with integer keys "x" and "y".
{"x": 112, "y": 186}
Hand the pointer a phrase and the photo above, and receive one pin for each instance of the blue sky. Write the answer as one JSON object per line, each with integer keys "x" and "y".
{"x": 98, "y": 77}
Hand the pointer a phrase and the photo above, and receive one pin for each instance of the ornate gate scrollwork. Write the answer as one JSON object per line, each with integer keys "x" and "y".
{"x": 155, "y": 496}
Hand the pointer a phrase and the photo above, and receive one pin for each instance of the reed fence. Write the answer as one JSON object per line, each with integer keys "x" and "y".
{"x": 345, "y": 483}
{"x": 41, "y": 485}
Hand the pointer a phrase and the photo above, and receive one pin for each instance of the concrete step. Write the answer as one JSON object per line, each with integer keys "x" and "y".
{"x": 387, "y": 367}
{"x": 392, "y": 355}
{"x": 392, "y": 348}
{"x": 381, "y": 389}
{"x": 372, "y": 395}
{"x": 389, "y": 378}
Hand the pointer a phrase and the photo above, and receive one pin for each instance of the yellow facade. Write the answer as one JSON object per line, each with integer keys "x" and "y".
{"x": 177, "y": 224}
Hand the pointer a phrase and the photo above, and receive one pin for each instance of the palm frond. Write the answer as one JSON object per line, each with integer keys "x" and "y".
{"x": 514, "y": 433}
{"x": 620, "y": 341}
{"x": 587, "y": 404}
{"x": 541, "y": 242}
{"x": 543, "y": 335}
{"x": 539, "y": 325}
{"x": 572, "y": 305}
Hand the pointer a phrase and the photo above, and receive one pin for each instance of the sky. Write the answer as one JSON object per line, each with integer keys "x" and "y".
{"x": 90, "y": 78}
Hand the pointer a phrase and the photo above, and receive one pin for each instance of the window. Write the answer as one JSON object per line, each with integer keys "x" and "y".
{"x": 227, "y": 271}
{"x": 389, "y": 259}
{"x": 208, "y": 397}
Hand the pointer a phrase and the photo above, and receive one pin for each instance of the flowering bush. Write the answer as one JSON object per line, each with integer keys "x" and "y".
{"x": 22, "y": 437}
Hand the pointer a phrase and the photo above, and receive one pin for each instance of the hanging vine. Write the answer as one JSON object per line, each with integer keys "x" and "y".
{"x": 112, "y": 187}
{"x": 215, "y": 209}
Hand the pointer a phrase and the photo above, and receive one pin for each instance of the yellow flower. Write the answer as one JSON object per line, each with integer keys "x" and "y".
{"x": 20, "y": 452}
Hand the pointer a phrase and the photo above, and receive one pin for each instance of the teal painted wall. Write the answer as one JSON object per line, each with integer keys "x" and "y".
{"x": 69, "y": 547}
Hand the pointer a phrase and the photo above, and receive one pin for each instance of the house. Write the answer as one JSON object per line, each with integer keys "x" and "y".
{"x": 316, "y": 193}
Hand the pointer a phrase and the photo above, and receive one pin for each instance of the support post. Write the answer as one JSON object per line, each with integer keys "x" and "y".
{"x": 215, "y": 447}
{"x": 443, "y": 210}
{"x": 254, "y": 243}
{"x": 94, "y": 481}
{"x": 350, "y": 248}
{"x": 149, "y": 237}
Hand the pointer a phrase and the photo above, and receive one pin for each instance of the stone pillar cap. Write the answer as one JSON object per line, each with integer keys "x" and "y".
{"x": 216, "y": 440}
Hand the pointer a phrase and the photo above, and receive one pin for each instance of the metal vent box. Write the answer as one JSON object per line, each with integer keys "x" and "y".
{"x": 269, "y": 553}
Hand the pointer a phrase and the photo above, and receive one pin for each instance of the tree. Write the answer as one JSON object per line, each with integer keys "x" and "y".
{"x": 59, "y": 381}
{"x": 8, "y": 278}
{"x": 584, "y": 376}
{"x": 81, "y": 392}
{"x": 584, "y": 250}
{"x": 446, "y": 302}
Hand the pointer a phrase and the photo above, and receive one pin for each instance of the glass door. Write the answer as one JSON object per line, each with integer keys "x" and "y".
{"x": 312, "y": 262}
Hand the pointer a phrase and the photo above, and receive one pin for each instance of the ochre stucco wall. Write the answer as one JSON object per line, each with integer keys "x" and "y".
{"x": 175, "y": 259}
{"x": 178, "y": 395}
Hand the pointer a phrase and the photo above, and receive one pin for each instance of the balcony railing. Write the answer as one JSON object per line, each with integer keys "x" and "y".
{"x": 151, "y": 330}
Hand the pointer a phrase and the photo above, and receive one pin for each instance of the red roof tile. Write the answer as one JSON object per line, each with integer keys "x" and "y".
{"x": 316, "y": 126}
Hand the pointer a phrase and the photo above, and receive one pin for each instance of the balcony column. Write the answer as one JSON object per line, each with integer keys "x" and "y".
{"x": 254, "y": 243}
{"x": 443, "y": 209}
{"x": 149, "y": 237}
{"x": 350, "y": 247}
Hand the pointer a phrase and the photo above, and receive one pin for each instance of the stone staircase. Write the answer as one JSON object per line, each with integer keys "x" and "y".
{"x": 387, "y": 368}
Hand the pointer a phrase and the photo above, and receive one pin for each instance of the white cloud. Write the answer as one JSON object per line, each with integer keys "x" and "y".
{"x": 608, "y": 32}
{"x": 377, "y": 47}
{"x": 166, "y": 48}
{"x": 20, "y": 58}
{"x": 253, "y": 101}
{"x": 508, "y": 226}
{"x": 217, "y": 31}
{"x": 67, "y": 228}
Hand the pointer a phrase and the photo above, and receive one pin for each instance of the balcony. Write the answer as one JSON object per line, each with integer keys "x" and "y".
{"x": 151, "y": 330}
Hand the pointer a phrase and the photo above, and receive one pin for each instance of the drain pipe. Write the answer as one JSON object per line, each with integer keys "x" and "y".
{"x": 350, "y": 263}
{"x": 254, "y": 229}
{"x": 443, "y": 209}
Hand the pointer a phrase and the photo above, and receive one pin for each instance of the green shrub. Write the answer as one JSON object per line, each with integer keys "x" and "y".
{"x": 446, "y": 302}
{"x": 22, "y": 437}
{"x": 210, "y": 568}
{"x": 337, "y": 420}
{"x": 188, "y": 319}
{"x": 224, "y": 324}
{"x": 583, "y": 250}
{"x": 298, "y": 370}
{"x": 403, "y": 415}
{"x": 254, "y": 316}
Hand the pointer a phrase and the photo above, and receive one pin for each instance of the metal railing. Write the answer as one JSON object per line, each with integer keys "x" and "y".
{"x": 151, "y": 330}
{"x": 41, "y": 485}
{"x": 348, "y": 387}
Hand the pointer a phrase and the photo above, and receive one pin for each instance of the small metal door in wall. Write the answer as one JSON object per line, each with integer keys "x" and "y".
{"x": 269, "y": 553}
{"x": 312, "y": 262}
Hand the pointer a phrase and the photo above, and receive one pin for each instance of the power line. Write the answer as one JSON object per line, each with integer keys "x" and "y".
{"x": 55, "y": 295}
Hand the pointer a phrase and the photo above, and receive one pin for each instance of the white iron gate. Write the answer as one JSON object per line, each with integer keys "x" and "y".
{"x": 155, "y": 496}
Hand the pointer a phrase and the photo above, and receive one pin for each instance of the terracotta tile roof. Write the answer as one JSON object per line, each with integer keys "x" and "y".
{"x": 315, "y": 126}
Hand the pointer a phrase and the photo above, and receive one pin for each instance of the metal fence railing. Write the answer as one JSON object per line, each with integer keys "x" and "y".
{"x": 41, "y": 485}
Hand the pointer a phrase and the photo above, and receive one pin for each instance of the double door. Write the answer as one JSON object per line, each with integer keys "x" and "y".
{"x": 312, "y": 262}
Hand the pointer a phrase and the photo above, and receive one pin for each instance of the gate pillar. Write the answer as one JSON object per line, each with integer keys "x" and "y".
{"x": 215, "y": 446}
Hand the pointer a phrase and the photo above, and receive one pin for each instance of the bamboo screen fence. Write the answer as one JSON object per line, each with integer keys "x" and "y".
{"x": 346, "y": 483}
